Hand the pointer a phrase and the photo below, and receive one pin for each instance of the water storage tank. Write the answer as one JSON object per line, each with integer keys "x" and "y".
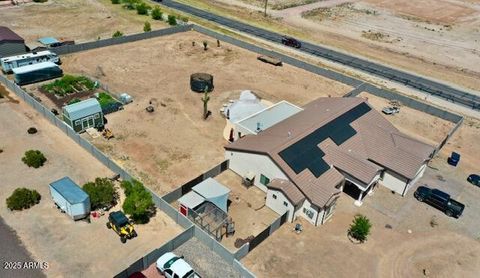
{"x": 200, "y": 81}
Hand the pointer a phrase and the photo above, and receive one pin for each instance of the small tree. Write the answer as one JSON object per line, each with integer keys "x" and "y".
{"x": 142, "y": 8}
{"x": 115, "y": 2}
{"x": 205, "y": 100}
{"x": 138, "y": 202}
{"x": 172, "y": 20}
{"x": 34, "y": 158}
{"x": 157, "y": 14}
{"x": 23, "y": 198}
{"x": 102, "y": 193}
{"x": 360, "y": 228}
{"x": 147, "y": 27}
{"x": 205, "y": 45}
{"x": 117, "y": 34}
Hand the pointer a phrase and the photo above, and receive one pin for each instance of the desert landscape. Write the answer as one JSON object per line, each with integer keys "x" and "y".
{"x": 174, "y": 144}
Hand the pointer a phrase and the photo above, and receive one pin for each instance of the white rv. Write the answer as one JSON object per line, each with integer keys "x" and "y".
{"x": 9, "y": 63}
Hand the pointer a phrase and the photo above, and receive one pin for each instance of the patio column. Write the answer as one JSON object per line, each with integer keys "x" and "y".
{"x": 359, "y": 202}
{"x": 371, "y": 191}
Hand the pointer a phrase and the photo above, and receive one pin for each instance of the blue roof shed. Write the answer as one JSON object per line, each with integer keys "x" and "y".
{"x": 48, "y": 41}
{"x": 69, "y": 190}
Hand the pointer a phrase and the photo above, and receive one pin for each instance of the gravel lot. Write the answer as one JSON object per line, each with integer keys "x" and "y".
{"x": 206, "y": 262}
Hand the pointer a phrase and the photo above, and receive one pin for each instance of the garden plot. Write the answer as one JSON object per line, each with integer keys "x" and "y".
{"x": 174, "y": 144}
{"x": 72, "y": 249}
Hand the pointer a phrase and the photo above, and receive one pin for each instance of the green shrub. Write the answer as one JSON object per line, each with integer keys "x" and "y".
{"x": 105, "y": 99}
{"x": 130, "y": 4}
{"x": 102, "y": 193}
{"x": 138, "y": 202}
{"x": 157, "y": 14}
{"x": 360, "y": 228}
{"x": 172, "y": 20}
{"x": 185, "y": 19}
{"x": 142, "y": 8}
{"x": 75, "y": 100}
{"x": 147, "y": 27}
{"x": 23, "y": 198}
{"x": 117, "y": 34}
{"x": 69, "y": 84}
{"x": 115, "y": 2}
{"x": 34, "y": 158}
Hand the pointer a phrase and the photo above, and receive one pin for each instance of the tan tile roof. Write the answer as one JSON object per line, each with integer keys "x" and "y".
{"x": 376, "y": 140}
{"x": 289, "y": 189}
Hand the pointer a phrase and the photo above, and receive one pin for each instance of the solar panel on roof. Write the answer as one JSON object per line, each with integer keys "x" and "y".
{"x": 305, "y": 153}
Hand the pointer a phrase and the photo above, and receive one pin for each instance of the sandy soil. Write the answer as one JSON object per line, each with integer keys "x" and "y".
{"x": 445, "y": 51}
{"x": 419, "y": 125}
{"x": 174, "y": 144}
{"x": 466, "y": 142}
{"x": 247, "y": 209}
{"x": 325, "y": 251}
{"x": 73, "y": 249}
{"x": 437, "y": 31}
{"x": 79, "y": 20}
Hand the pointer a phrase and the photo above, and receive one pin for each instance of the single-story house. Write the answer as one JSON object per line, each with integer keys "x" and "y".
{"x": 10, "y": 42}
{"x": 208, "y": 190}
{"x": 83, "y": 115}
{"x": 304, "y": 162}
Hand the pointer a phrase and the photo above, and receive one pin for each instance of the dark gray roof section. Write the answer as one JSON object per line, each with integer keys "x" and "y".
{"x": 7, "y": 35}
{"x": 69, "y": 190}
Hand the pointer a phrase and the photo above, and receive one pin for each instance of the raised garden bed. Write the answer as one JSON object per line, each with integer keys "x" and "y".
{"x": 69, "y": 84}
{"x": 108, "y": 103}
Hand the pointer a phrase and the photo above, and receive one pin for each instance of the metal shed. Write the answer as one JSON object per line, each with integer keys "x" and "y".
{"x": 49, "y": 41}
{"x": 10, "y": 42}
{"x": 214, "y": 192}
{"x": 70, "y": 198}
{"x": 84, "y": 114}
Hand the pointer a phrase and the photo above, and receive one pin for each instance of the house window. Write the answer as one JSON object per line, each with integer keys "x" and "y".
{"x": 264, "y": 180}
{"x": 308, "y": 213}
{"x": 285, "y": 203}
{"x": 97, "y": 116}
{"x": 77, "y": 122}
{"x": 274, "y": 196}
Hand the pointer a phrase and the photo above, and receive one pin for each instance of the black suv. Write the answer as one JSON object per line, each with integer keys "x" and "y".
{"x": 439, "y": 200}
{"x": 288, "y": 41}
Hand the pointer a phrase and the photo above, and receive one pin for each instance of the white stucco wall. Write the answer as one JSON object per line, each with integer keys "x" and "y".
{"x": 242, "y": 163}
{"x": 307, "y": 205}
{"x": 419, "y": 174}
{"x": 394, "y": 181}
{"x": 277, "y": 204}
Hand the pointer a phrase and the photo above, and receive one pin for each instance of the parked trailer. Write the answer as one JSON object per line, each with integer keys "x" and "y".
{"x": 70, "y": 198}
{"x": 36, "y": 73}
{"x": 9, "y": 63}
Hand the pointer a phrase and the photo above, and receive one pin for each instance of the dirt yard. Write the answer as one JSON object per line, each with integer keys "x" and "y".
{"x": 247, "y": 209}
{"x": 79, "y": 20}
{"x": 434, "y": 38}
{"x": 419, "y": 125}
{"x": 73, "y": 249}
{"x": 174, "y": 144}
{"x": 440, "y": 251}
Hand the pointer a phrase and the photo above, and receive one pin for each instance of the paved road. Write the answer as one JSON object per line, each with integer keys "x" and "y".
{"x": 11, "y": 250}
{"x": 411, "y": 80}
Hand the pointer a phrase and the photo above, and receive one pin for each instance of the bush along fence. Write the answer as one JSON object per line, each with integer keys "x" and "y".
{"x": 191, "y": 229}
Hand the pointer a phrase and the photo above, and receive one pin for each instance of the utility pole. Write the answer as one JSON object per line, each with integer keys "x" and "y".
{"x": 265, "y": 12}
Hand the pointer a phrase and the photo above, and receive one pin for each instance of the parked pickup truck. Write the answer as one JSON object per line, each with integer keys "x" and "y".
{"x": 439, "y": 200}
